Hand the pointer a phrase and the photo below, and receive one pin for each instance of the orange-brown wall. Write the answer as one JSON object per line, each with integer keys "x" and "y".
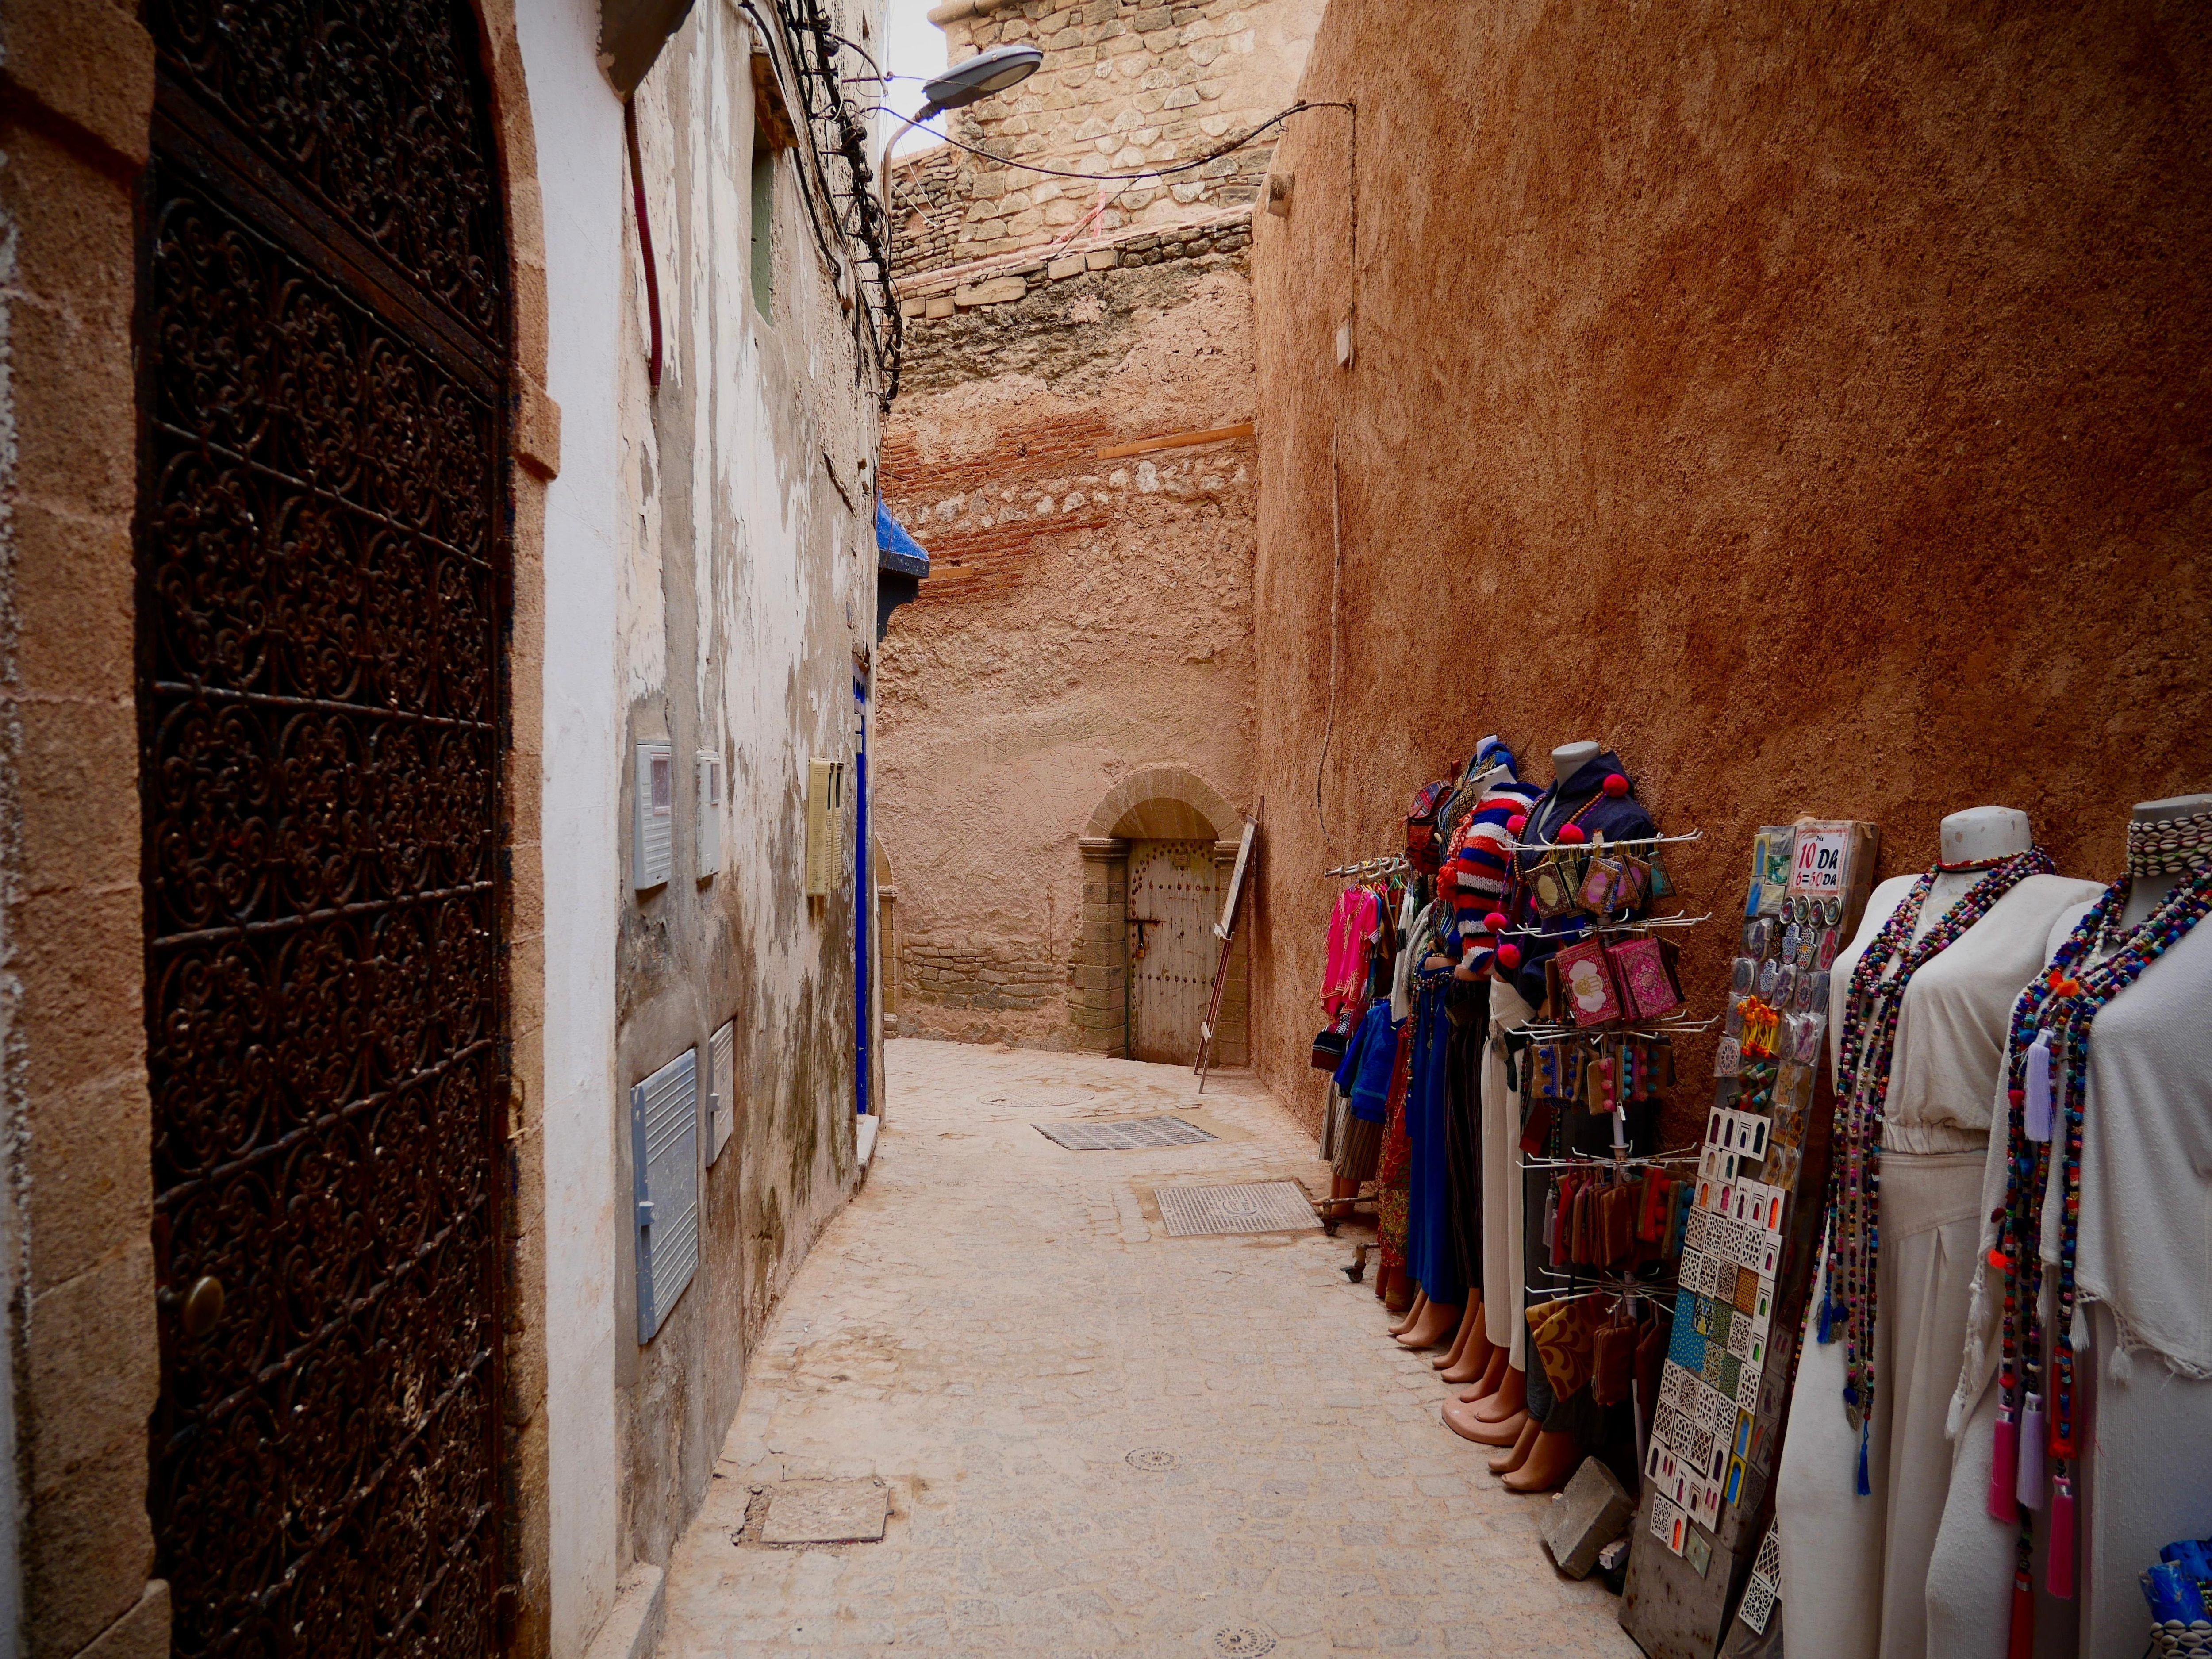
{"x": 1811, "y": 402}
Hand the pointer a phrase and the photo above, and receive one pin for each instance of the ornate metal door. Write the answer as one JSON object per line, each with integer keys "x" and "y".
{"x": 322, "y": 606}
{"x": 1174, "y": 900}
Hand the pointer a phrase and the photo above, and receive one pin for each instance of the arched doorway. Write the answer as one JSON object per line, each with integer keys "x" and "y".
{"x": 1156, "y": 853}
{"x": 323, "y": 588}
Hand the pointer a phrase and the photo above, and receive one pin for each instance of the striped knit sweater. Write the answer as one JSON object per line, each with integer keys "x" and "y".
{"x": 1475, "y": 878}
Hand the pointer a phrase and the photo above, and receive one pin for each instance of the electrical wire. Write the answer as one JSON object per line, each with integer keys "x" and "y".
{"x": 1161, "y": 171}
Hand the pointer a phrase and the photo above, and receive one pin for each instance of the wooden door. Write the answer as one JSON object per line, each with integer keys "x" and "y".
{"x": 1174, "y": 901}
{"x": 322, "y": 621}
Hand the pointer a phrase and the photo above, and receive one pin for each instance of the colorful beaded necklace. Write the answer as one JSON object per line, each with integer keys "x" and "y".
{"x": 1869, "y": 1043}
{"x": 2046, "y": 1072}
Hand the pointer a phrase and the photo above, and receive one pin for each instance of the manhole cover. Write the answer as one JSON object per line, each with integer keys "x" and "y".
{"x": 1243, "y": 1639}
{"x": 1127, "y": 1135}
{"x": 1152, "y": 1458}
{"x": 1266, "y": 1206}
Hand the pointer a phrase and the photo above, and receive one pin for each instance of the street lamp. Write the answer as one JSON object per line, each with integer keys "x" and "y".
{"x": 966, "y": 83}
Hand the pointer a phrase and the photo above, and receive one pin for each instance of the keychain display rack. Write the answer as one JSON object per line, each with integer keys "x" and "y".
{"x": 1749, "y": 1246}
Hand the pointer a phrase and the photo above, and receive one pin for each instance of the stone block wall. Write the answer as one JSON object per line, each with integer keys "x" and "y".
{"x": 1124, "y": 85}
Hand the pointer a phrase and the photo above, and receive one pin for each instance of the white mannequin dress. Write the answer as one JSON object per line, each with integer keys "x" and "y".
{"x": 1857, "y": 1566}
{"x": 2144, "y": 1247}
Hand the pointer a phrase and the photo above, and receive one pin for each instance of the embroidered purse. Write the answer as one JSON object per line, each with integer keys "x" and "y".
{"x": 1550, "y": 889}
{"x": 1328, "y": 1049}
{"x": 1647, "y": 985}
{"x": 1586, "y": 985}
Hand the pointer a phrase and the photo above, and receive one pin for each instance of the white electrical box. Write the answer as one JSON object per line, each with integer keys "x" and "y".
{"x": 652, "y": 838}
{"x": 825, "y": 826}
{"x": 708, "y": 799}
{"x": 723, "y": 1088}
{"x": 664, "y": 1130}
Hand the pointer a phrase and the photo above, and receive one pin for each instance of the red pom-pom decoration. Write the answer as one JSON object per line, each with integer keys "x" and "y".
{"x": 1571, "y": 833}
{"x": 2018, "y": 1096}
{"x": 1509, "y": 957}
{"x": 1496, "y": 921}
{"x": 1517, "y": 823}
{"x": 1615, "y": 784}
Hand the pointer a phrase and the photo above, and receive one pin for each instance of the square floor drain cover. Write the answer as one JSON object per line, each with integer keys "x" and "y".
{"x": 1127, "y": 1135}
{"x": 827, "y": 1512}
{"x": 1264, "y": 1206}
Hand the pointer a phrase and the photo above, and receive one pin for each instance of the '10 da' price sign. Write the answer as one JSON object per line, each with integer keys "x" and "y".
{"x": 1818, "y": 869}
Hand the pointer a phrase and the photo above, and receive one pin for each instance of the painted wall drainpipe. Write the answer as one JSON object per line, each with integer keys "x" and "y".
{"x": 644, "y": 236}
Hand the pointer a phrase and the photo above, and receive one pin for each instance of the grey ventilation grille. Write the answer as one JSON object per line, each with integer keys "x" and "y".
{"x": 1127, "y": 1135}
{"x": 652, "y": 838}
{"x": 721, "y": 1088}
{"x": 664, "y": 1126}
{"x": 1266, "y": 1206}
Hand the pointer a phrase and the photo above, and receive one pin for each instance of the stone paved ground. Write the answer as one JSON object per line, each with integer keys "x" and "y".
{"x": 995, "y": 1324}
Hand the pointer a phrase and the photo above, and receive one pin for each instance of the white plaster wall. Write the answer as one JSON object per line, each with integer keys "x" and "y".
{"x": 746, "y": 582}
{"x": 580, "y": 173}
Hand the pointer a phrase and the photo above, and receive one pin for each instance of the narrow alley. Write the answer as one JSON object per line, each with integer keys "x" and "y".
{"x": 996, "y": 1327}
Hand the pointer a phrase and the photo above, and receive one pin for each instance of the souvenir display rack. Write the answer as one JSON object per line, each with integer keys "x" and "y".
{"x": 1749, "y": 1249}
{"x": 1609, "y": 1046}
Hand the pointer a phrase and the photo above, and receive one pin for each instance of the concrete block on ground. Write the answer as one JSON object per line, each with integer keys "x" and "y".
{"x": 1584, "y": 1519}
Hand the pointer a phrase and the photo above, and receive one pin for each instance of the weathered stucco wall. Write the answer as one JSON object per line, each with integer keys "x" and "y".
{"x": 1809, "y": 403}
{"x": 745, "y": 583}
{"x": 1083, "y": 618}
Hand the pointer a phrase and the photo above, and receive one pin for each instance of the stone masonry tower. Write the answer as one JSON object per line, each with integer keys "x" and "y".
{"x": 1066, "y": 712}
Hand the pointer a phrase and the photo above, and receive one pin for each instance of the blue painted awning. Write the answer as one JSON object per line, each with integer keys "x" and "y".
{"x": 895, "y": 550}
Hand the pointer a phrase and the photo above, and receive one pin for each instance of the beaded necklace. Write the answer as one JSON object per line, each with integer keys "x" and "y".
{"x": 2047, "y": 1070}
{"x": 1869, "y": 1043}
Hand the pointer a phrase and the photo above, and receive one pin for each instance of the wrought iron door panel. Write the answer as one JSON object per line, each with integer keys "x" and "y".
{"x": 321, "y": 608}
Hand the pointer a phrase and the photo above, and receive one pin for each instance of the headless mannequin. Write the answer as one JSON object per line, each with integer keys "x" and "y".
{"x": 1871, "y": 1597}
{"x": 2151, "y": 1441}
{"x": 1495, "y": 1412}
{"x": 2146, "y": 895}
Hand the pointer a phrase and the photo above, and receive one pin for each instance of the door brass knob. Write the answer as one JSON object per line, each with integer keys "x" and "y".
{"x": 203, "y": 1307}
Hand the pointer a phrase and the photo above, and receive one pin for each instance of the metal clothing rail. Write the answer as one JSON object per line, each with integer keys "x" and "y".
{"x": 1594, "y": 845}
{"x": 1388, "y": 863}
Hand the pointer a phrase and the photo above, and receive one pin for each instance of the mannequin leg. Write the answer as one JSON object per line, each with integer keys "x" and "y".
{"x": 1463, "y": 1420}
{"x": 1474, "y": 1360}
{"x": 1510, "y": 1400}
{"x": 1551, "y": 1460}
{"x": 1450, "y": 1357}
{"x": 1342, "y": 1189}
{"x": 1516, "y": 1453}
{"x": 1492, "y": 1377}
{"x": 1438, "y": 1320}
{"x": 1414, "y": 1309}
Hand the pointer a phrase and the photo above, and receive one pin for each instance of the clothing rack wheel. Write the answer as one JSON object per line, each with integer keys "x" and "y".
{"x": 1356, "y": 1270}
{"x": 1332, "y": 1212}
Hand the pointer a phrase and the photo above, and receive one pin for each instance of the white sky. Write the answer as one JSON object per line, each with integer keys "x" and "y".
{"x": 917, "y": 48}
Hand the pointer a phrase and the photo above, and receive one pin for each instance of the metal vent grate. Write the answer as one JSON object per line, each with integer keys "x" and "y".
{"x": 1127, "y": 1135}
{"x": 1266, "y": 1206}
{"x": 664, "y": 1120}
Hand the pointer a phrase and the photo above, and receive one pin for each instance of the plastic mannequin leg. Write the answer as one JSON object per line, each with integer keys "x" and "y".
{"x": 1511, "y": 1398}
{"x": 1516, "y": 1453}
{"x": 1413, "y": 1312}
{"x": 1438, "y": 1322}
{"x": 1550, "y": 1461}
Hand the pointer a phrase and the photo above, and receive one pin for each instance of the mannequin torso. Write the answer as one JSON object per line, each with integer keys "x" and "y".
{"x": 2145, "y": 895}
{"x": 1979, "y": 835}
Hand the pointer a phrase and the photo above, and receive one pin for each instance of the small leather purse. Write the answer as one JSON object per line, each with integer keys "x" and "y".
{"x": 1613, "y": 1367}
